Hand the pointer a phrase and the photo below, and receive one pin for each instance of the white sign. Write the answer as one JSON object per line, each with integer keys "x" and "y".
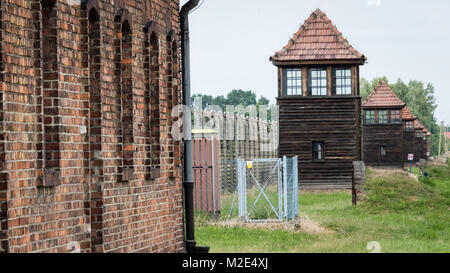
{"x": 411, "y": 157}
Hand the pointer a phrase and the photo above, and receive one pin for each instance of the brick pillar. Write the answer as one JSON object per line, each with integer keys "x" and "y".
{"x": 3, "y": 174}
{"x": 172, "y": 87}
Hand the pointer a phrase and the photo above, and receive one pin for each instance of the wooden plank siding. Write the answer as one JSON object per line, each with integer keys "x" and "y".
{"x": 335, "y": 121}
{"x": 419, "y": 149}
{"x": 388, "y": 135}
{"x": 408, "y": 145}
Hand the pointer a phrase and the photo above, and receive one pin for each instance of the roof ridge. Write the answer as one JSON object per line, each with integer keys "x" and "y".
{"x": 325, "y": 49}
{"x": 339, "y": 34}
{"x": 297, "y": 34}
{"x": 383, "y": 96}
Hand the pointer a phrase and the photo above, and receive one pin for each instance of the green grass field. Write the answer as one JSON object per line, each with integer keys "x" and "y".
{"x": 402, "y": 215}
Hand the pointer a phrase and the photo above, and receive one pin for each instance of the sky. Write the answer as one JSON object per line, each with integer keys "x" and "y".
{"x": 232, "y": 40}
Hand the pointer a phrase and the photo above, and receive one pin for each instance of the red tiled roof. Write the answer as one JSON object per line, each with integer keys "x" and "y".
{"x": 425, "y": 130}
{"x": 383, "y": 96}
{"x": 317, "y": 39}
{"x": 406, "y": 114}
{"x": 418, "y": 124}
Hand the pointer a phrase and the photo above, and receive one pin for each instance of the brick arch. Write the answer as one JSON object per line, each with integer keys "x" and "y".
{"x": 170, "y": 36}
{"x": 90, "y": 4}
{"x": 151, "y": 101}
{"x": 151, "y": 28}
{"x": 124, "y": 86}
{"x": 121, "y": 16}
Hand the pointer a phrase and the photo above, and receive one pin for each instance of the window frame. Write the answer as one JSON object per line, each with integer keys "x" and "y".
{"x": 410, "y": 128}
{"x": 315, "y": 152}
{"x": 295, "y": 79}
{"x": 398, "y": 118}
{"x": 344, "y": 78}
{"x": 318, "y": 79}
{"x": 374, "y": 117}
{"x": 383, "y": 152}
{"x": 386, "y": 120}
{"x": 419, "y": 134}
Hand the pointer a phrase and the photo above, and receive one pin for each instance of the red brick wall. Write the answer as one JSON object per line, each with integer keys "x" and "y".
{"x": 3, "y": 175}
{"x": 87, "y": 159}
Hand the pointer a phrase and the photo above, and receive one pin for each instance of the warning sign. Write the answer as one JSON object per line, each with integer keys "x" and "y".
{"x": 249, "y": 164}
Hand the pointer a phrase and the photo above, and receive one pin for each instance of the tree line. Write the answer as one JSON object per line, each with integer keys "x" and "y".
{"x": 235, "y": 97}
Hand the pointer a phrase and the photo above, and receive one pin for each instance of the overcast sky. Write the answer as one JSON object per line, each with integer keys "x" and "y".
{"x": 232, "y": 40}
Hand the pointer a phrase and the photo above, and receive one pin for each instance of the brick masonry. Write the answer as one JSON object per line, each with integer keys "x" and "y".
{"x": 86, "y": 154}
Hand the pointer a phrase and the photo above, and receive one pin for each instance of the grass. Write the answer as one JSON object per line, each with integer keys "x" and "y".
{"x": 403, "y": 215}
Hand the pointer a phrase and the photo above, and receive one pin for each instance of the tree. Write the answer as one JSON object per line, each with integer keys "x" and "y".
{"x": 241, "y": 97}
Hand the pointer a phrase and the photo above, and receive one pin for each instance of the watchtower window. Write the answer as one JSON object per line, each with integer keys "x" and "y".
{"x": 370, "y": 117}
{"x": 383, "y": 150}
{"x": 382, "y": 117}
{"x": 395, "y": 116}
{"x": 293, "y": 82}
{"x": 318, "y": 151}
{"x": 342, "y": 81}
{"x": 409, "y": 126}
{"x": 419, "y": 134}
{"x": 317, "y": 81}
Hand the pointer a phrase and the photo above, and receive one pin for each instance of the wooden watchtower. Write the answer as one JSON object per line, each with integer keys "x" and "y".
{"x": 320, "y": 104}
{"x": 383, "y": 128}
{"x": 408, "y": 133}
{"x": 419, "y": 141}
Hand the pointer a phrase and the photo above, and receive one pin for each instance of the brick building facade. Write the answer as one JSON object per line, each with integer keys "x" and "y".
{"x": 86, "y": 155}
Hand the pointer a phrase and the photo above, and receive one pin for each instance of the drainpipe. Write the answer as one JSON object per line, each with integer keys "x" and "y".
{"x": 188, "y": 182}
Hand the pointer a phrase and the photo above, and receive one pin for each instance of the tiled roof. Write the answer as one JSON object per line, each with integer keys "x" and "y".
{"x": 406, "y": 114}
{"x": 383, "y": 96}
{"x": 418, "y": 124}
{"x": 317, "y": 39}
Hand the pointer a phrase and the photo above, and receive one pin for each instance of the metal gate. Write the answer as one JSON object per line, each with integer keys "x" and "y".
{"x": 267, "y": 189}
{"x": 206, "y": 175}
